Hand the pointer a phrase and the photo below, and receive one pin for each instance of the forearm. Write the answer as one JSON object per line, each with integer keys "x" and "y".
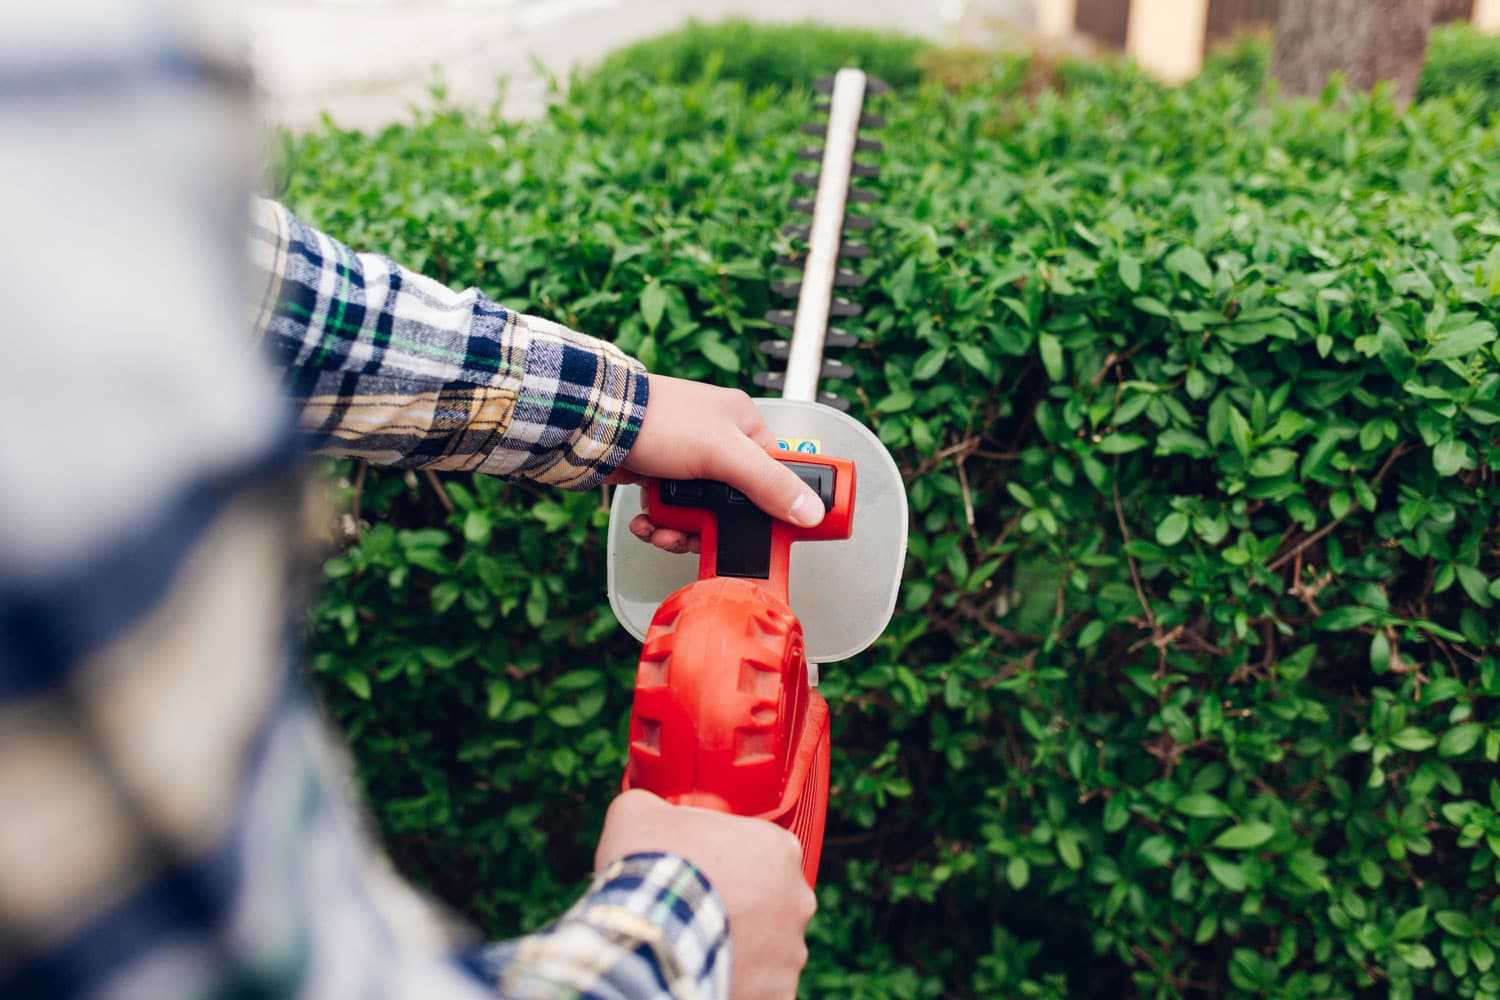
{"x": 649, "y": 927}
{"x": 392, "y": 367}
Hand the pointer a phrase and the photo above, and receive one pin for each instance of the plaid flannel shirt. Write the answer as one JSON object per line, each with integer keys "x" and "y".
{"x": 170, "y": 825}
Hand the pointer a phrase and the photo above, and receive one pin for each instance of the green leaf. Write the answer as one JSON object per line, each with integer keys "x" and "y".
{"x": 1460, "y": 739}
{"x": 1156, "y": 850}
{"x": 358, "y": 683}
{"x": 1017, "y": 873}
{"x": 1201, "y": 805}
{"x": 1052, "y": 356}
{"x": 1475, "y": 584}
{"x": 1348, "y": 617}
{"x": 1067, "y": 850}
{"x": 1172, "y": 528}
{"x": 1455, "y": 923}
{"x": 1121, "y": 444}
{"x": 1451, "y": 457}
{"x": 977, "y": 359}
{"x": 929, "y": 364}
{"x": 1460, "y": 342}
{"x": 896, "y": 402}
{"x": 653, "y": 304}
{"x": 1276, "y": 462}
{"x": 1228, "y": 874}
{"x": 1239, "y": 432}
{"x": 1130, "y": 272}
{"x": 1187, "y": 260}
{"x": 1245, "y": 836}
{"x": 1414, "y": 739}
{"x": 477, "y": 526}
{"x": 719, "y": 354}
{"x": 1411, "y": 923}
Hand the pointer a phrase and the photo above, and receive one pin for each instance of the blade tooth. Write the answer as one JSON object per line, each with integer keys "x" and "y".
{"x": 843, "y": 310}
{"x": 864, "y": 170}
{"x": 837, "y": 402}
{"x": 841, "y": 339}
{"x": 801, "y": 232}
{"x": 814, "y": 128}
{"x": 848, "y": 279}
{"x": 806, "y": 180}
{"x": 857, "y": 250}
{"x": 769, "y": 380}
{"x": 782, "y": 317}
{"x": 875, "y": 85}
{"x": 823, "y": 85}
{"x": 791, "y": 289}
{"x": 801, "y": 205}
{"x": 775, "y": 349}
{"x": 872, "y": 121}
{"x": 836, "y": 369}
{"x": 822, "y": 107}
{"x": 789, "y": 261}
{"x": 858, "y": 222}
{"x": 811, "y": 153}
{"x": 868, "y": 145}
{"x": 864, "y": 197}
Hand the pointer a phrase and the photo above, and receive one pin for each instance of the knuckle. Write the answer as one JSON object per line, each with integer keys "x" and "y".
{"x": 807, "y": 904}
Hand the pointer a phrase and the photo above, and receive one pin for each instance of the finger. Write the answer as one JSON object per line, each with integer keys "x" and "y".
{"x": 671, "y": 540}
{"x": 770, "y": 485}
{"x": 641, "y": 527}
{"x": 623, "y": 477}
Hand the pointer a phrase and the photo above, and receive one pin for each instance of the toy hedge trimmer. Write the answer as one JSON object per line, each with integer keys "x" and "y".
{"x": 727, "y": 715}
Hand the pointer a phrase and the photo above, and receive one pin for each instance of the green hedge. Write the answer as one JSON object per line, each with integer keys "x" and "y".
{"x": 1460, "y": 58}
{"x": 1192, "y": 687}
{"x": 764, "y": 55}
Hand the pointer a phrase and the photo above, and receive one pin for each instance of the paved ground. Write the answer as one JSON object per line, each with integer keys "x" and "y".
{"x": 367, "y": 61}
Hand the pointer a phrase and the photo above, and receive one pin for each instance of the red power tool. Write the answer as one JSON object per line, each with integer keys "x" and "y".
{"x": 727, "y": 714}
{"x": 724, "y": 716}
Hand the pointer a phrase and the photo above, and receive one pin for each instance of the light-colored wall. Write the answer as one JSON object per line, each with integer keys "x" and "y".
{"x": 1487, "y": 15}
{"x": 1166, "y": 37}
{"x": 1055, "y": 18}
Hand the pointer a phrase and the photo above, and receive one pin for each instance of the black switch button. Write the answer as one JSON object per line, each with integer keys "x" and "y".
{"x": 819, "y": 478}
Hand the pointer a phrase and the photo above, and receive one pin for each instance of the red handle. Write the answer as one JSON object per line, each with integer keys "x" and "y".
{"x": 724, "y": 717}
{"x": 704, "y": 520}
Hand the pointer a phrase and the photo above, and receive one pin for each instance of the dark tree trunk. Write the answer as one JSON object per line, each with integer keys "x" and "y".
{"x": 1366, "y": 40}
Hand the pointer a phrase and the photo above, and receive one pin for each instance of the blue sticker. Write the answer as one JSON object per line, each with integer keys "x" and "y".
{"x": 781, "y": 443}
{"x": 807, "y": 448}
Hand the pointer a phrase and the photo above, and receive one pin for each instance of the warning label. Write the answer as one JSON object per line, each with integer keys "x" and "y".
{"x": 808, "y": 446}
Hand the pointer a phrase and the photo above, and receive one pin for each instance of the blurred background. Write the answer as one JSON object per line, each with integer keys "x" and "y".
{"x": 1188, "y": 355}
{"x": 366, "y": 61}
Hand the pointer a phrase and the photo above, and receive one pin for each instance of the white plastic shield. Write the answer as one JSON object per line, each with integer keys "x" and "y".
{"x": 843, "y": 592}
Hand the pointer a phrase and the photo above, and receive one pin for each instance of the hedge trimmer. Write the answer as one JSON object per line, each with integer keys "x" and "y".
{"x": 727, "y": 715}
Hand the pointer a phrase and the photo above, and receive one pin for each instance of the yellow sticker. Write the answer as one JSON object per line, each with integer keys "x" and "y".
{"x": 807, "y": 446}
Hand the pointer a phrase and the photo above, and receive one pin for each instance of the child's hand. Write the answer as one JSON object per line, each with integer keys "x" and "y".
{"x": 697, "y": 431}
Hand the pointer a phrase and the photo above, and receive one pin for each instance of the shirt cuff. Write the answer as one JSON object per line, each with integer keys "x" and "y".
{"x": 579, "y": 408}
{"x": 649, "y": 926}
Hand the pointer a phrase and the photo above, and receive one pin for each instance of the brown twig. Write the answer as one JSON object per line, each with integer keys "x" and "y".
{"x": 1321, "y": 533}
{"x": 963, "y": 482}
{"x": 360, "y": 468}
{"x": 1160, "y": 641}
{"x": 437, "y": 487}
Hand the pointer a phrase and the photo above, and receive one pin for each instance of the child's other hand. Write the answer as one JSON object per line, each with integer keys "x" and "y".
{"x": 697, "y": 431}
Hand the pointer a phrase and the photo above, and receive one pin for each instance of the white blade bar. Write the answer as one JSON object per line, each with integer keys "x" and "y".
{"x": 805, "y": 355}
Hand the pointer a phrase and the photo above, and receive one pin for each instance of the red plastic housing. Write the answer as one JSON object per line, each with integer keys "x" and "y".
{"x": 724, "y": 717}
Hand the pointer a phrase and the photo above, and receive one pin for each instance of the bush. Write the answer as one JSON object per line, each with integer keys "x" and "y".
{"x": 1192, "y": 686}
{"x": 781, "y": 56}
{"x": 1460, "y": 58}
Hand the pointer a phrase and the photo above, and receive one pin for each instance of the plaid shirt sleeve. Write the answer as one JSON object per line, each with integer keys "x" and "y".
{"x": 170, "y": 821}
{"x": 392, "y": 367}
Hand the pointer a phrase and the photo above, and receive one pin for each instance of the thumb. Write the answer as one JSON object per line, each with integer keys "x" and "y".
{"x": 770, "y": 485}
